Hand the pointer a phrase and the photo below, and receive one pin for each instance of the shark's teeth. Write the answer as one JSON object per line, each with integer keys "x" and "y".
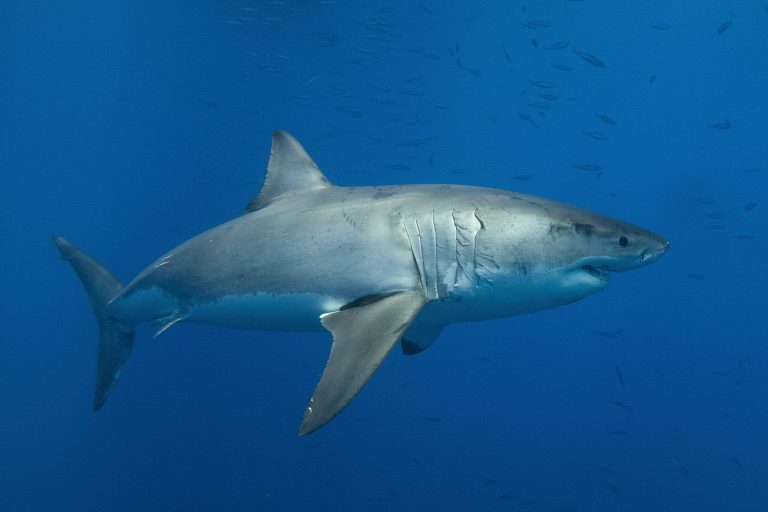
{"x": 593, "y": 271}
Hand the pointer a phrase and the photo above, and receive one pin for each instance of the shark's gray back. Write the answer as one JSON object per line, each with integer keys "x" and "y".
{"x": 345, "y": 242}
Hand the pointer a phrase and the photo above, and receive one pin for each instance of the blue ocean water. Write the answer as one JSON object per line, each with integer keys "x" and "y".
{"x": 129, "y": 127}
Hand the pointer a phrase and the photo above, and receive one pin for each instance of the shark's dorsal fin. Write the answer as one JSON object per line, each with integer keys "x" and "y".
{"x": 362, "y": 336}
{"x": 290, "y": 171}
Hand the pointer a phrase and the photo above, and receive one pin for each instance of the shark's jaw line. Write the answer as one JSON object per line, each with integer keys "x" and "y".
{"x": 596, "y": 272}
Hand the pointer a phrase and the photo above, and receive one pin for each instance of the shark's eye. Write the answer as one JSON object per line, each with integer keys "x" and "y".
{"x": 623, "y": 241}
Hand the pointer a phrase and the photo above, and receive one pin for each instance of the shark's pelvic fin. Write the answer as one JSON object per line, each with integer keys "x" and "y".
{"x": 290, "y": 171}
{"x": 362, "y": 337}
{"x": 418, "y": 340}
{"x": 115, "y": 341}
{"x": 167, "y": 324}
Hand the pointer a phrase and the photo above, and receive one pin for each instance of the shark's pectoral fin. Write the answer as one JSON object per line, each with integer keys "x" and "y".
{"x": 419, "y": 339}
{"x": 362, "y": 337}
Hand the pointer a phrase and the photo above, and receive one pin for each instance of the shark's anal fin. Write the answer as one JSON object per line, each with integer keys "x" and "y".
{"x": 362, "y": 337}
{"x": 420, "y": 339}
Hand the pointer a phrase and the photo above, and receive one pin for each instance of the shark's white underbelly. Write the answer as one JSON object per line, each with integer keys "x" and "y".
{"x": 266, "y": 311}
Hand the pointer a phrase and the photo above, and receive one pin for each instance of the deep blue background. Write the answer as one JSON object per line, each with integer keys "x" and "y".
{"x": 130, "y": 126}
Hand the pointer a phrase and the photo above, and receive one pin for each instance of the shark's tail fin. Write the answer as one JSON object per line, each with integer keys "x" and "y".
{"x": 115, "y": 341}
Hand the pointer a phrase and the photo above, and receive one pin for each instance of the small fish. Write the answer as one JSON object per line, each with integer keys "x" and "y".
{"x": 350, "y": 112}
{"x": 611, "y": 335}
{"x": 588, "y": 57}
{"x": 537, "y": 24}
{"x": 725, "y": 125}
{"x": 622, "y": 405}
{"x": 692, "y": 275}
{"x": 562, "y": 67}
{"x": 652, "y": 78}
{"x": 438, "y": 105}
{"x": 506, "y": 54}
{"x": 416, "y": 142}
{"x": 659, "y": 371}
{"x": 715, "y": 215}
{"x": 525, "y": 116}
{"x": 425, "y": 8}
{"x": 411, "y": 92}
{"x": 605, "y": 119}
{"x": 619, "y": 432}
{"x": 548, "y": 97}
{"x": 736, "y": 461}
{"x": 485, "y": 359}
{"x": 523, "y": 177}
{"x": 430, "y": 419}
{"x": 210, "y": 104}
{"x": 619, "y": 376}
{"x": 743, "y": 237}
{"x": 661, "y": 26}
{"x": 704, "y": 200}
{"x": 399, "y": 167}
{"x": 604, "y": 470}
{"x": 739, "y": 381}
{"x": 534, "y": 42}
{"x": 615, "y": 490}
{"x": 542, "y": 84}
{"x": 595, "y": 135}
{"x": 588, "y": 167}
{"x": 748, "y": 207}
{"x": 682, "y": 468}
{"x": 723, "y": 27}
{"x": 558, "y": 45}
{"x": 415, "y": 80}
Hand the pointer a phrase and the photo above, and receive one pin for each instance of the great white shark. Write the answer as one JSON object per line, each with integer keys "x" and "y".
{"x": 372, "y": 265}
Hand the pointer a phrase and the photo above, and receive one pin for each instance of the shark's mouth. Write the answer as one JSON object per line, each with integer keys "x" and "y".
{"x": 595, "y": 272}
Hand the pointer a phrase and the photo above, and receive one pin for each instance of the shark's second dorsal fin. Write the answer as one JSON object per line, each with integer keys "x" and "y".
{"x": 290, "y": 171}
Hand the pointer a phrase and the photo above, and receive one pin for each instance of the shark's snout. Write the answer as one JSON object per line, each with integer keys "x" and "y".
{"x": 654, "y": 253}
